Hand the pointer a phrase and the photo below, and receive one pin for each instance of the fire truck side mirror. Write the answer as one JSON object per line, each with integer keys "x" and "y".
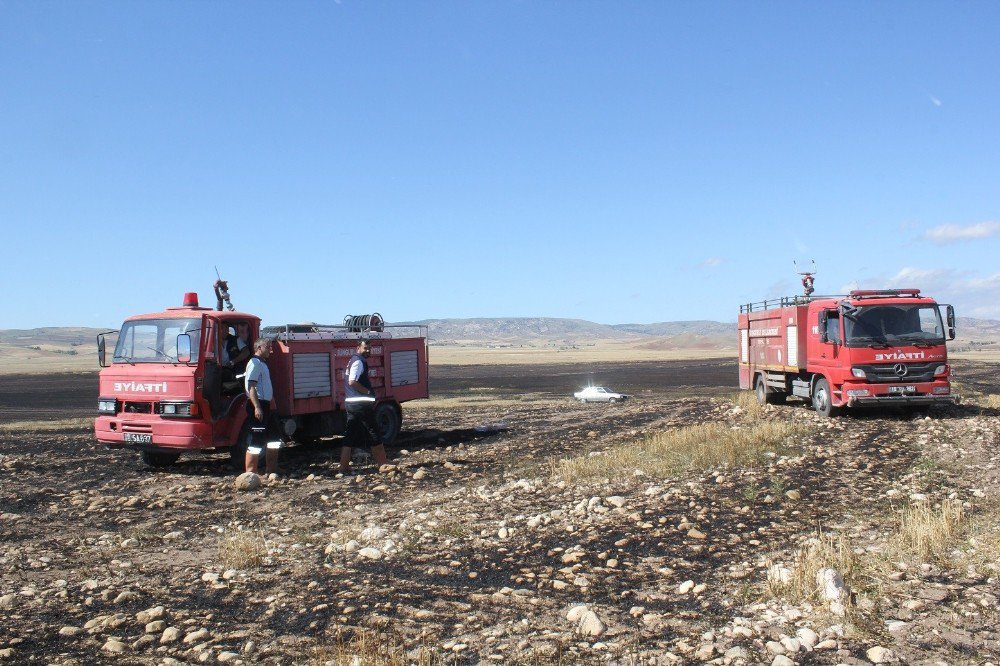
{"x": 823, "y": 318}
{"x": 951, "y": 322}
{"x": 183, "y": 348}
{"x": 102, "y": 351}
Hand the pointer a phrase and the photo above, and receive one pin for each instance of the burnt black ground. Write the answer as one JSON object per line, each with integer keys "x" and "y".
{"x": 77, "y": 501}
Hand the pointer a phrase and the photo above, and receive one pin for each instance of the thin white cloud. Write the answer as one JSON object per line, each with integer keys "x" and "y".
{"x": 934, "y": 100}
{"x": 710, "y": 262}
{"x": 972, "y": 295}
{"x": 950, "y": 233}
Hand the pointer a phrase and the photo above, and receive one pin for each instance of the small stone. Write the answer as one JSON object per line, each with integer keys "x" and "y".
{"x": 150, "y": 614}
{"x": 735, "y": 653}
{"x": 576, "y": 612}
{"x": 685, "y": 587}
{"x": 793, "y": 495}
{"x": 170, "y": 634}
{"x": 70, "y": 631}
{"x": 590, "y": 624}
{"x": 196, "y": 635}
{"x": 782, "y": 660}
{"x": 227, "y": 656}
{"x": 807, "y": 637}
{"x": 880, "y": 655}
{"x": 155, "y": 627}
{"x": 114, "y": 646}
{"x": 210, "y": 577}
{"x": 419, "y": 474}
{"x": 696, "y": 533}
{"x": 247, "y": 481}
{"x": 370, "y": 553}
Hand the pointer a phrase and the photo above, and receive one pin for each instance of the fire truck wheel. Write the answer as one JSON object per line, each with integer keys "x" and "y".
{"x": 389, "y": 420}
{"x": 157, "y": 459}
{"x": 761, "y": 391}
{"x": 823, "y": 400}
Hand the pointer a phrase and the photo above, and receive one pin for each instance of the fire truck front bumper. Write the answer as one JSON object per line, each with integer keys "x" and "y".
{"x": 903, "y": 400}
{"x": 153, "y": 436}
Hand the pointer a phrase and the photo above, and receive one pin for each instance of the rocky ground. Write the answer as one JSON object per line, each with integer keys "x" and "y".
{"x": 473, "y": 550}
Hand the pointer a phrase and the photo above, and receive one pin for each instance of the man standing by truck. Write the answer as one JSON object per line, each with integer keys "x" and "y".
{"x": 359, "y": 402}
{"x": 263, "y": 423}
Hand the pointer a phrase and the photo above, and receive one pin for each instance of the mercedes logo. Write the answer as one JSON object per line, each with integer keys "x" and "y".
{"x": 900, "y": 369}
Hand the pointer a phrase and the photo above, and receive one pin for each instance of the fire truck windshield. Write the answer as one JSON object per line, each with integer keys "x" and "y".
{"x": 155, "y": 340}
{"x": 893, "y": 325}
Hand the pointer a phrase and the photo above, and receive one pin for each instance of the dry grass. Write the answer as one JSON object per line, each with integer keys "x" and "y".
{"x": 821, "y": 552}
{"x": 926, "y": 531}
{"x": 83, "y": 423}
{"x": 691, "y": 448}
{"x": 242, "y": 550}
{"x": 369, "y": 648}
{"x": 747, "y": 402}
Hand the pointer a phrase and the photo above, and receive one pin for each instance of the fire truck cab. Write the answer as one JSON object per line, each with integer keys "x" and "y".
{"x": 868, "y": 348}
{"x": 165, "y": 390}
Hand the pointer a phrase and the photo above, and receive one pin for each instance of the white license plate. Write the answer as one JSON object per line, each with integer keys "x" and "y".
{"x": 902, "y": 389}
{"x": 138, "y": 438}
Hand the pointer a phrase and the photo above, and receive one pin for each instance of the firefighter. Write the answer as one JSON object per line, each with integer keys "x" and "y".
{"x": 263, "y": 422}
{"x": 359, "y": 401}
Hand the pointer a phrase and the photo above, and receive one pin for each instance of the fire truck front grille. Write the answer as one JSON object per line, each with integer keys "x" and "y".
{"x": 884, "y": 374}
{"x": 138, "y": 408}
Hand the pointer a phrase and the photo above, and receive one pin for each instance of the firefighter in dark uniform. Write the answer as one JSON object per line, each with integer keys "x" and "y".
{"x": 359, "y": 402}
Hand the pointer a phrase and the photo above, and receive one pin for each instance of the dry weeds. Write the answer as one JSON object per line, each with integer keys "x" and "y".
{"x": 927, "y": 532}
{"x": 83, "y": 423}
{"x": 821, "y": 552}
{"x": 242, "y": 550}
{"x": 667, "y": 453}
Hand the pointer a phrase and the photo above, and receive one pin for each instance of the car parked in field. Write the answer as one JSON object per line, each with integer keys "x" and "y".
{"x": 599, "y": 394}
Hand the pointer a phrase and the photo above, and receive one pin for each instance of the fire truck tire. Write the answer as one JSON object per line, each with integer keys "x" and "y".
{"x": 767, "y": 396}
{"x": 238, "y": 451}
{"x": 389, "y": 421}
{"x": 159, "y": 459}
{"x": 822, "y": 399}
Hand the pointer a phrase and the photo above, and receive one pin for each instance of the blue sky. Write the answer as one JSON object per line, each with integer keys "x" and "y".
{"x": 610, "y": 161}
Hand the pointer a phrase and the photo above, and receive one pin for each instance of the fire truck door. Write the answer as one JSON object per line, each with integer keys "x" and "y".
{"x": 829, "y": 341}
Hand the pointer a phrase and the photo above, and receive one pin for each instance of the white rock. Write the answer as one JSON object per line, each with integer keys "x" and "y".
{"x": 196, "y": 635}
{"x": 831, "y": 584}
{"x": 114, "y": 646}
{"x": 170, "y": 634}
{"x": 880, "y": 655}
{"x": 247, "y": 481}
{"x": 69, "y": 631}
{"x": 590, "y": 624}
{"x": 790, "y": 644}
{"x": 782, "y": 660}
{"x": 807, "y": 637}
{"x": 370, "y": 534}
{"x": 685, "y": 587}
{"x": 227, "y": 656}
{"x": 370, "y": 553}
{"x": 616, "y": 501}
{"x": 576, "y": 612}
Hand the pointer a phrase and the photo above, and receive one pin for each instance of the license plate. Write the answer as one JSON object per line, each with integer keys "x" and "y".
{"x": 138, "y": 438}
{"x": 902, "y": 389}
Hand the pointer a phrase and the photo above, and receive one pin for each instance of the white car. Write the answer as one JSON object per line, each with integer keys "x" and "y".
{"x": 599, "y": 394}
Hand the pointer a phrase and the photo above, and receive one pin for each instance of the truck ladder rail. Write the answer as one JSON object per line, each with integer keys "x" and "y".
{"x": 287, "y": 332}
{"x": 784, "y": 301}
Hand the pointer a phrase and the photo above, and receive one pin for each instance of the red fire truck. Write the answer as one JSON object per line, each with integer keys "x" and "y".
{"x": 165, "y": 391}
{"x": 867, "y": 348}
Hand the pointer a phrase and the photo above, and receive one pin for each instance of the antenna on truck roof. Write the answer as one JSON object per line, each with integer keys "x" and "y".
{"x": 222, "y": 292}
{"x": 807, "y": 277}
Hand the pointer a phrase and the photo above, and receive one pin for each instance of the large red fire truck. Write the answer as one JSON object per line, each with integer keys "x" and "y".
{"x": 165, "y": 391}
{"x": 867, "y": 348}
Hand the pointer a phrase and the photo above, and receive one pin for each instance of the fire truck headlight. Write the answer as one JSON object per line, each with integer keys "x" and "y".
{"x": 858, "y": 372}
{"x": 857, "y": 393}
{"x": 178, "y": 409}
{"x": 107, "y": 406}
{"x": 940, "y": 370}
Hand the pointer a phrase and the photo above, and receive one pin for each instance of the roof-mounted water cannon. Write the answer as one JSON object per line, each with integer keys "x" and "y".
{"x": 222, "y": 293}
{"x": 807, "y": 277}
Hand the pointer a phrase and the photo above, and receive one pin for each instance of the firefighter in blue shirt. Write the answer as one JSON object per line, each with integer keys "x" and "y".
{"x": 359, "y": 402}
